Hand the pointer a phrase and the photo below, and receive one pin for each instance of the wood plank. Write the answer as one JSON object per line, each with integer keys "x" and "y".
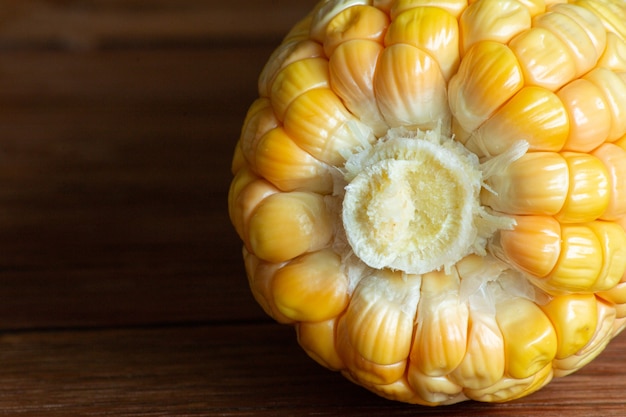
{"x": 248, "y": 370}
{"x": 86, "y": 24}
{"x": 115, "y": 172}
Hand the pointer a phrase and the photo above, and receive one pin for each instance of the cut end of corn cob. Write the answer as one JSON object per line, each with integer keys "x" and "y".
{"x": 433, "y": 192}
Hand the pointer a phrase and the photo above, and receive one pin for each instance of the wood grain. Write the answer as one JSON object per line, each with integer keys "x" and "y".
{"x": 122, "y": 290}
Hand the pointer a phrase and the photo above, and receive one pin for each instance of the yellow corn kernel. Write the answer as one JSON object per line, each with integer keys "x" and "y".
{"x": 352, "y": 67}
{"x": 616, "y": 296}
{"x": 574, "y": 317}
{"x": 259, "y": 120}
{"x": 534, "y": 245}
{"x": 590, "y": 119}
{"x": 613, "y": 90}
{"x": 587, "y": 21}
{"x": 488, "y": 76}
{"x": 614, "y": 56}
{"x": 296, "y": 78}
{"x": 454, "y": 7}
{"x": 601, "y": 337}
{"x": 260, "y": 275}
{"x": 287, "y": 166}
{"x": 613, "y": 158}
{"x": 610, "y": 13}
{"x": 431, "y": 29}
{"x": 582, "y": 50}
{"x": 311, "y": 287}
{"x": 441, "y": 336}
{"x": 534, "y": 114}
{"x": 286, "y": 225}
{"x": 360, "y": 22}
{"x": 434, "y": 389}
{"x": 484, "y": 361}
{"x": 318, "y": 341}
{"x": 612, "y": 238}
{"x": 535, "y": 7}
{"x": 410, "y": 88}
{"x": 383, "y": 304}
{"x": 544, "y": 59}
{"x": 589, "y": 192}
{"x": 508, "y": 388}
{"x": 288, "y": 52}
{"x": 535, "y": 184}
{"x": 530, "y": 342}
{"x": 325, "y": 11}
{"x": 498, "y": 21}
{"x": 399, "y": 390}
{"x": 321, "y": 125}
{"x": 580, "y": 262}
{"x": 246, "y": 192}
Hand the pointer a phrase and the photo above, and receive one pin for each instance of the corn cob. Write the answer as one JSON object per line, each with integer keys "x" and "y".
{"x": 433, "y": 192}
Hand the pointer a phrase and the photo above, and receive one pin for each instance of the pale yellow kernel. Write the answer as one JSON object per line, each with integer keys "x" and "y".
{"x": 259, "y": 120}
{"x": 589, "y": 192}
{"x": 573, "y": 36}
{"x": 613, "y": 158}
{"x": 509, "y": 388}
{"x": 260, "y": 275}
{"x": 352, "y": 67}
{"x": 358, "y": 22}
{"x": 616, "y": 296}
{"x": 379, "y": 319}
{"x": 544, "y": 60}
{"x": 488, "y": 76}
{"x": 535, "y": 7}
{"x": 442, "y": 321}
{"x": 321, "y": 125}
{"x": 613, "y": 90}
{"x": 611, "y": 13}
{"x": 288, "y": 52}
{"x": 318, "y": 341}
{"x": 484, "y": 361}
{"x": 614, "y": 56}
{"x": 296, "y": 78}
{"x": 325, "y": 11}
{"x": 574, "y": 317}
{"x": 243, "y": 200}
{"x": 580, "y": 262}
{"x": 602, "y": 336}
{"x": 311, "y": 287}
{"x": 288, "y": 167}
{"x": 410, "y": 88}
{"x": 534, "y": 245}
{"x": 587, "y": 21}
{"x": 535, "y": 115}
{"x": 498, "y": 20}
{"x": 286, "y": 225}
{"x": 431, "y": 29}
{"x": 434, "y": 389}
{"x": 535, "y": 184}
{"x": 612, "y": 238}
{"x": 240, "y": 181}
{"x": 530, "y": 341}
{"x": 454, "y": 7}
{"x": 589, "y": 115}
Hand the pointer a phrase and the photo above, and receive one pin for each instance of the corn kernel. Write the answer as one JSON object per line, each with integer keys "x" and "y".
{"x": 498, "y": 21}
{"x": 454, "y": 7}
{"x": 286, "y": 225}
{"x": 358, "y": 22}
{"x": 432, "y": 30}
{"x": 318, "y": 340}
{"x": 488, "y": 76}
{"x": 535, "y": 184}
{"x": 311, "y": 288}
{"x": 410, "y": 88}
{"x": 530, "y": 341}
{"x": 352, "y": 67}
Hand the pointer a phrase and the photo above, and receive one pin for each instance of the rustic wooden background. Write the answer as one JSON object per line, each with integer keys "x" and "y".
{"x": 122, "y": 290}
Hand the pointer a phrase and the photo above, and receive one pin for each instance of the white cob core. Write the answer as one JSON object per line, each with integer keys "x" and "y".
{"x": 412, "y": 203}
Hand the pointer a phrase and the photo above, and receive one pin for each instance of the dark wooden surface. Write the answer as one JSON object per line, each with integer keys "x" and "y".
{"x": 122, "y": 290}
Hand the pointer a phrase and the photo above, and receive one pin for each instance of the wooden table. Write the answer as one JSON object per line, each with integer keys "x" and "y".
{"x": 122, "y": 290}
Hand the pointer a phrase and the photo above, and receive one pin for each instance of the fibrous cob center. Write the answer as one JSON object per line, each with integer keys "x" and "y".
{"x": 412, "y": 203}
